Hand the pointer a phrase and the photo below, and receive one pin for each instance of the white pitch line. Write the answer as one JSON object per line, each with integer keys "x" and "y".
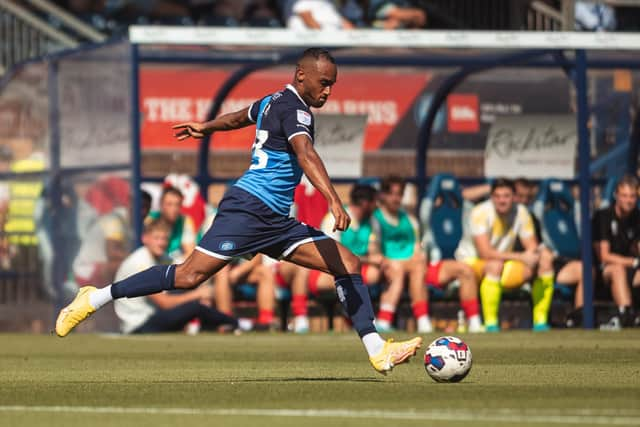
{"x": 500, "y": 415}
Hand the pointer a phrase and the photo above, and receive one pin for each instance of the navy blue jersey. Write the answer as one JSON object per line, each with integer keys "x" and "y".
{"x": 274, "y": 172}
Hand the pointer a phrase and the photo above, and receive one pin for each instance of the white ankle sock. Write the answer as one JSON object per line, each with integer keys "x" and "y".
{"x": 475, "y": 324}
{"x": 300, "y": 324}
{"x": 373, "y": 342}
{"x": 100, "y": 297}
{"x": 424, "y": 324}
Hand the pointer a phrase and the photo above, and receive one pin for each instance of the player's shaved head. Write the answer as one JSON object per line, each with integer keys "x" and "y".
{"x": 315, "y": 75}
{"x": 313, "y": 55}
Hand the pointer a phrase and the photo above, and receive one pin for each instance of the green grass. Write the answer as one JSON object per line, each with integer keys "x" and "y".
{"x": 518, "y": 378}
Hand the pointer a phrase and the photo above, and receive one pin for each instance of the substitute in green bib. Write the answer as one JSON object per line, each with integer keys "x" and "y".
{"x": 182, "y": 239}
{"x": 398, "y": 233}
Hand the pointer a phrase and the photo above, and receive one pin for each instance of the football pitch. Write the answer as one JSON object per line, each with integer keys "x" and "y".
{"x": 573, "y": 378}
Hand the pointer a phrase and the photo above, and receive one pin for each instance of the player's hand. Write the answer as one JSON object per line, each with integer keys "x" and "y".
{"x": 189, "y": 129}
{"x": 530, "y": 258}
{"x": 342, "y": 219}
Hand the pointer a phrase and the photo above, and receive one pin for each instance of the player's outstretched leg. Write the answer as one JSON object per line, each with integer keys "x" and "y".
{"x": 196, "y": 269}
{"x": 331, "y": 257}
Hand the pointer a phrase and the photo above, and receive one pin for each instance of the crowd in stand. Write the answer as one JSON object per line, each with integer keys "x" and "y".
{"x": 113, "y": 17}
{"x": 505, "y": 246}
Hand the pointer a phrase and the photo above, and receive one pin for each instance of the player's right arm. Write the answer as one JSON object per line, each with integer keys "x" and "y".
{"x": 231, "y": 121}
{"x": 314, "y": 169}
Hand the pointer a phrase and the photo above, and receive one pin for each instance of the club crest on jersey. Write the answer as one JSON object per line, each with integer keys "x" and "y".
{"x": 227, "y": 245}
{"x": 304, "y": 117}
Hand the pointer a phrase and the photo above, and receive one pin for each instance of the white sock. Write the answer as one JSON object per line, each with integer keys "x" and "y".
{"x": 475, "y": 324}
{"x": 100, "y": 297}
{"x": 373, "y": 342}
{"x": 424, "y": 324}
{"x": 300, "y": 324}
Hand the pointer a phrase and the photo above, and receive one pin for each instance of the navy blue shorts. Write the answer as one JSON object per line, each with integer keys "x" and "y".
{"x": 245, "y": 225}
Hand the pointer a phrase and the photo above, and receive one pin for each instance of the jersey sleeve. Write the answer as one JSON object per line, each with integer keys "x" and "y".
{"x": 296, "y": 121}
{"x": 254, "y": 109}
{"x": 527, "y": 229}
{"x": 478, "y": 221}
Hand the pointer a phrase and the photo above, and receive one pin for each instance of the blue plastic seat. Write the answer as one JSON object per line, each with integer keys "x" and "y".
{"x": 555, "y": 208}
{"x": 441, "y": 217}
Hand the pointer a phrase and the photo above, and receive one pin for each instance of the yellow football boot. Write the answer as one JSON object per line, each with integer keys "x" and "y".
{"x": 76, "y": 312}
{"x": 394, "y": 353}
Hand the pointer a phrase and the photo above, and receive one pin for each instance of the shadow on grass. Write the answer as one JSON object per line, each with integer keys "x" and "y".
{"x": 236, "y": 380}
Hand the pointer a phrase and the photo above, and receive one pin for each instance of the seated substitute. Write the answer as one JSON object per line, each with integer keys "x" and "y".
{"x": 440, "y": 273}
{"x": 363, "y": 242}
{"x": 616, "y": 240}
{"x": 399, "y": 243}
{"x": 163, "y": 311}
{"x": 494, "y": 227}
{"x": 182, "y": 240}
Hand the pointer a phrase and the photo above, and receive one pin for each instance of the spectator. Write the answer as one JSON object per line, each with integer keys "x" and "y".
{"x": 594, "y": 16}
{"x": 399, "y": 243}
{"x": 567, "y": 271}
{"x": 164, "y": 311}
{"x": 253, "y": 272}
{"x": 362, "y": 241}
{"x": 103, "y": 249}
{"x": 494, "y": 227}
{"x": 616, "y": 238}
{"x": 314, "y": 15}
{"x": 396, "y": 14}
{"x": 182, "y": 240}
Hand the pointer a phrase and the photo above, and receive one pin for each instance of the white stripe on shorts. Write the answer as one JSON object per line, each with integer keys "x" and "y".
{"x": 293, "y": 247}
{"x": 213, "y": 254}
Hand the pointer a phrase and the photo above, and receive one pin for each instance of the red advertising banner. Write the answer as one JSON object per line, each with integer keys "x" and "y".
{"x": 174, "y": 95}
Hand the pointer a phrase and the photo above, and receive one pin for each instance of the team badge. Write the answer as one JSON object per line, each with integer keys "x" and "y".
{"x": 304, "y": 117}
{"x": 227, "y": 245}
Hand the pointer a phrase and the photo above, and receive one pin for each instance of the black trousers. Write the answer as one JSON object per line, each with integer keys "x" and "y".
{"x": 175, "y": 319}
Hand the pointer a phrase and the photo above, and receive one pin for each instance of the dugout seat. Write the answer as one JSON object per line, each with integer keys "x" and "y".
{"x": 441, "y": 219}
{"x": 555, "y": 208}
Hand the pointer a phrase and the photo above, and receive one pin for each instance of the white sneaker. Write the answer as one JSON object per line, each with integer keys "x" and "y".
{"x": 612, "y": 325}
{"x": 301, "y": 325}
{"x": 424, "y": 325}
{"x": 475, "y": 325}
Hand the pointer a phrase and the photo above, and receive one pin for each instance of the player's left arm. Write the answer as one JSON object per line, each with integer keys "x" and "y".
{"x": 230, "y": 121}
{"x": 314, "y": 169}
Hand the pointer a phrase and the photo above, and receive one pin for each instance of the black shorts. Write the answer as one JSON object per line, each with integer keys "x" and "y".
{"x": 559, "y": 263}
{"x": 245, "y": 225}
